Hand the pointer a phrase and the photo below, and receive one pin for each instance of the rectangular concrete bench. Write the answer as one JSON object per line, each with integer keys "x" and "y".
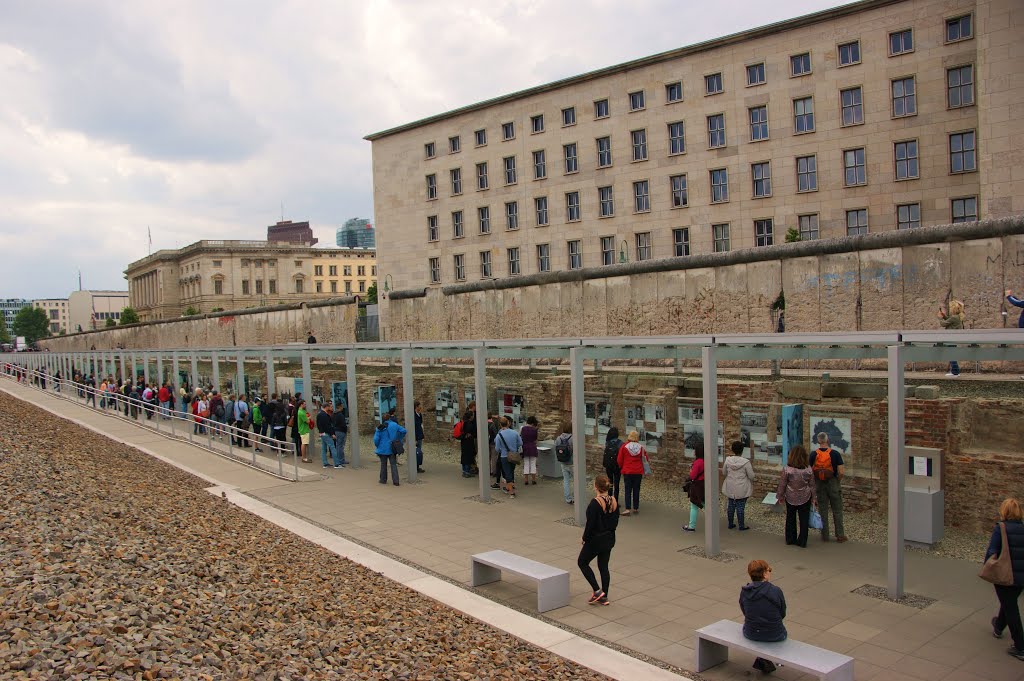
{"x": 552, "y": 583}
{"x": 714, "y": 641}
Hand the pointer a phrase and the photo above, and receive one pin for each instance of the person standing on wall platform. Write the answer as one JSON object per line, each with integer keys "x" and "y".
{"x": 954, "y": 319}
{"x": 829, "y": 470}
{"x": 311, "y": 339}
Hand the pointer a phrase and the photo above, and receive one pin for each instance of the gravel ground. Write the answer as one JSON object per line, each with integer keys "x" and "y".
{"x": 114, "y": 565}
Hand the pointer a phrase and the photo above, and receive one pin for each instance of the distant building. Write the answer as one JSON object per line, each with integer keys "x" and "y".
{"x": 9, "y": 307}
{"x": 357, "y": 233}
{"x": 291, "y": 232}
{"x": 89, "y": 310}
{"x": 56, "y": 310}
{"x": 344, "y": 272}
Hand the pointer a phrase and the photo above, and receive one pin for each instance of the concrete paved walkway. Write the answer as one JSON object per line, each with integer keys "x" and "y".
{"x": 660, "y": 594}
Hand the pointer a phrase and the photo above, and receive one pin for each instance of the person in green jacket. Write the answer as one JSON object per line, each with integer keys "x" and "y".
{"x": 303, "y": 425}
{"x": 259, "y": 425}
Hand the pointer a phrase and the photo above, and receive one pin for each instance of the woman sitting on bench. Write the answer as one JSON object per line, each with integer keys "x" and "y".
{"x": 764, "y": 607}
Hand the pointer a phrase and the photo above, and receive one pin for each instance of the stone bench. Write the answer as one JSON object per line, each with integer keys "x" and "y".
{"x": 714, "y": 641}
{"x": 552, "y": 583}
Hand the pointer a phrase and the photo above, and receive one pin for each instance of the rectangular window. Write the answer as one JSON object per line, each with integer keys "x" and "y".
{"x": 607, "y": 201}
{"x": 904, "y": 97}
{"x": 435, "y": 270}
{"x": 716, "y": 131}
{"x": 674, "y": 92}
{"x": 901, "y": 42}
{"x": 720, "y": 237}
{"x": 318, "y": 270}
{"x": 508, "y": 131}
{"x": 347, "y": 270}
{"x": 431, "y": 187}
{"x": 510, "y": 169}
{"x": 849, "y": 53}
{"x": 906, "y": 160}
{"x": 569, "y": 116}
{"x": 543, "y": 258}
{"x": 758, "y": 123}
{"x": 803, "y": 115}
{"x": 273, "y": 286}
{"x": 960, "y": 86}
{"x": 856, "y": 222}
{"x": 676, "y": 138}
{"x": 537, "y": 123}
{"x": 319, "y": 286}
{"x": 572, "y": 206}
{"x": 513, "y": 261}
{"x": 959, "y": 28}
{"x": 334, "y": 286}
{"x": 607, "y": 250}
{"x": 480, "y": 137}
{"x": 808, "y": 225}
{"x": 908, "y": 216}
{"x": 541, "y": 205}
{"x": 761, "y": 174}
{"x": 644, "y": 249}
{"x": 800, "y": 64}
{"x": 853, "y": 163}
{"x": 332, "y": 271}
{"x": 540, "y": 165}
{"x": 216, "y": 263}
{"x": 764, "y": 232}
{"x": 485, "y": 264}
{"x": 481, "y": 175}
{"x": 457, "y": 228}
{"x": 962, "y": 158}
{"x": 853, "y": 106}
{"x": 713, "y": 83}
{"x": 679, "y": 197}
{"x": 806, "y": 173}
{"x": 755, "y": 74}
{"x": 218, "y": 286}
{"x": 456, "y": 176}
{"x": 460, "y": 267}
{"x": 454, "y": 145}
{"x": 429, "y": 150}
{"x": 483, "y": 214}
{"x": 348, "y": 287}
{"x": 681, "y": 241}
{"x": 965, "y": 209}
{"x": 604, "y": 152}
{"x": 639, "y": 138}
{"x": 511, "y": 215}
{"x": 719, "y": 185}
{"x": 575, "y": 254}
{"x": 636, "y": 100}
{"x": 641, "y": 197}
{"x": 362, "y": 287}
{"x": 601, "y": 108}
{"x": 571, "y": 159}
{"x": 245, "y": 287}
{"x": 361, "y": 270}
{"x": 433, "y": 234}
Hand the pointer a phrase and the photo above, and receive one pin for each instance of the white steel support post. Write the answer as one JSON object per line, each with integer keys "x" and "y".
{"x": 483, "y": 449}
{"x": 176, "y": 379}
{"x": 897, "y": 474}
{"x": 240, "y": 379}
{"x": 145, "y": 367}
{"x": 709, "y": 376}
{"x": 215, "y": 359}
{"x": 579, "y": 436}
{"x": 135, "y": 368}
{"x": 307, "y": 381}
{"x": 124, "y": 366}
{"x": 408, "y": 398}
{"x": 194, "y": 361}
{"x": 159, "y": 369}
{"x": 353, "y": 408}
{"x": 271, "y": 388}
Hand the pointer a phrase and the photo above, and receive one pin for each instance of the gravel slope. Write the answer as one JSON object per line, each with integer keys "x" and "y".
{"x": 114, "y": 565}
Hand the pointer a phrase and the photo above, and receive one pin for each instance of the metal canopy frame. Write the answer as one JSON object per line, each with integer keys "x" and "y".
{"x": 897, "y": 348}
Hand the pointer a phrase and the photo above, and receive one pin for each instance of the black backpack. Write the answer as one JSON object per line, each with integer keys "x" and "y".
{"x": 611, "y": 454}
{"x": 563, "y": 450}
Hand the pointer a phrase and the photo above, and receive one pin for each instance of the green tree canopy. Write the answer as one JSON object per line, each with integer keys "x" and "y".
{"x": 4, "y": 336}
{"x": 32, "y": 323}
{"x": 129, "y": 316}
{"x": 371, "y": 294}
{"x": 111, "y": 322}
{"x": 189, "y": 311}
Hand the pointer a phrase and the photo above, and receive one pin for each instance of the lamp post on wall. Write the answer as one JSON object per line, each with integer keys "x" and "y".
{"x": 387, "y": 287}
{"x": 623, "y": 252}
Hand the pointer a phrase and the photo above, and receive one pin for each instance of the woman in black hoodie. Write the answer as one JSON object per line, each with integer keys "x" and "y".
{"x": 764, "y": 607}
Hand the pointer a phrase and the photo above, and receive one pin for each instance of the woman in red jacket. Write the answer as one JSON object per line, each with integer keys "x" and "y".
{"x": 696, "y": 489}
{"x": 632, "y": 456}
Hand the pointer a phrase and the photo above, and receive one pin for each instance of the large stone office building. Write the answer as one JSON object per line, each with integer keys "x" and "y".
{"x": 875, "y": 116}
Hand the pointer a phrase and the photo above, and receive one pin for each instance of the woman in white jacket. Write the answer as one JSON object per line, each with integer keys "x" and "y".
{"x": 738, "y": 485}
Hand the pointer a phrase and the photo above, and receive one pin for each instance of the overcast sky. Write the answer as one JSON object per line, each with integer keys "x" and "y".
{"x": 198, "y": 119}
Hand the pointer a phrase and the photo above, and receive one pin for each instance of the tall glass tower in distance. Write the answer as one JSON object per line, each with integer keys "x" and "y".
{"x": 357, "y": 233}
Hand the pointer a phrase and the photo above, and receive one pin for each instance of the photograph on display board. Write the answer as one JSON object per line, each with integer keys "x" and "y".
{"x": 839, "y": 431}
{"x": 339, "y": 395}
{"x": 598, "y": 416}
{"x": 446, "y": 406}
{"x": 758, "y": 442}
{"x": 792, "y": 429}
{"x": 385, "y": 399}
{"x": 512, "y": 406}
{"x": 691, "y": 422}
{"x": 318, "y": 394}
{"x": 286, "y": 387}
{"x": 648, "y": 420}
{"x": 470, "y": 397}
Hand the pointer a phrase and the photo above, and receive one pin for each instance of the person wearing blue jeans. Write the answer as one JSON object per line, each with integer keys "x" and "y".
{"x": 738, "y": 484}
{"x": 340, "y": 433}
{"x": 418, "y": 409}
{"x": 564, "y": 441}
{"x": 325, "y": 426}
{"x": 387, "y": 432}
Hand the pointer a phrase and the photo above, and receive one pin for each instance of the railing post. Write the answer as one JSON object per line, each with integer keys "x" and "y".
{"x": 579, "y": 435}
{"x": 483, "y": 449}
{"x": 709, "y": 375}
{"x": 897, "y": 472}
{"x": 408, "y": 398}
{"x": 353, "y": 407}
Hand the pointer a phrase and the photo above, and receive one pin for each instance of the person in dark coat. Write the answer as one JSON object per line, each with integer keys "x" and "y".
{"x": 1008, "y": 617}
{"x": 468, "y": 441}
{"x": 418, "y": 419}
{"x": 696, "y": 491}
{"x": 764, "y": 607}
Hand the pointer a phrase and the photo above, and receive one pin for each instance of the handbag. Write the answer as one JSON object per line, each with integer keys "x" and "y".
{"x": 686, "y": 485}
{"x": 647, "y": 466}
{"x": 814, "y": 520}
{"x": 515, "y": 457}
{"x": 999, "y": 569}
{"x": 397, "y": 446}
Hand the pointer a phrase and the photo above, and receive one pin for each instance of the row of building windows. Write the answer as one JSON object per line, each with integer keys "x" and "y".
{"x": 908, "y": 216}
{"x": 318, "y": 270}
{"x": 848, "y": 54}
{"x": 906, "y": 166}
{"x": 333, "y": 285}
{"x": 218, "y": 287}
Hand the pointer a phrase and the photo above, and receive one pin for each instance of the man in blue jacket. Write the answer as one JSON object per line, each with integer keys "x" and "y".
{"x": 383, "y": 439}
{"x": 1016, "y": 302}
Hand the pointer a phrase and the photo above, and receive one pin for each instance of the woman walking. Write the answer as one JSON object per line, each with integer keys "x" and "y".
{"x": 953, "y": 320}
{"x": 695, "y": 488}
{"x": 738, "y": 484}
{"x": 563, "y": 454}
{"x": 764, "y": 607}
{"x": 528, "y": 433}
{"x": 631, "y": 459}
{"x": 599, "y": 538}
{"x": 1010, "y": 515}
{"x": 612, "y": 445}
{"x": 796, "y": 488}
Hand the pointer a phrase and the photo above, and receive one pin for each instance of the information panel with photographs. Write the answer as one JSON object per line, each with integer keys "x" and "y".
{"x": 512, "y": 406}
{"x": 691, "y": 421}
{"x": 649, "y": 421}
{"x": 446, "y": 408}
{"x": 760, "y": 436}
{"x": 598, "y": 415}
{"x": 385, "y": 398}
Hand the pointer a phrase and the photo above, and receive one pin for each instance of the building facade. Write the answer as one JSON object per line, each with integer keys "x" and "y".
{"x": 356, "y": 233}
{"x": 350, "y": 271}
{"x": 88, "y": 310}
{"x": 292, "y": 232}
{"x": 876, "y": 116}
{"x": 9, "y": 307}
{"x": 210, "y": 276}
{"x": 56, "y": 310}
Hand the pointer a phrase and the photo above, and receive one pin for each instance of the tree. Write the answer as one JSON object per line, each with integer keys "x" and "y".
{"x": 4, "y": 336}
{"x": 129, "y": 316}
{"x": 32, "y": 323}
{"x": 792, "y": 235}
{"x": 371, "y": 294}
{"x": 110, "y": 322}
{"x": 189, "y": 311}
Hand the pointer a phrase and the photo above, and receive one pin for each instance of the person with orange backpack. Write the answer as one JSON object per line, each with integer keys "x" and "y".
{"x": 827, "y": 466}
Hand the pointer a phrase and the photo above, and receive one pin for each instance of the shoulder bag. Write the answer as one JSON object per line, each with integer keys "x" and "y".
{"x": 515, "y": 457}
{"x": 999, "y": 569}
